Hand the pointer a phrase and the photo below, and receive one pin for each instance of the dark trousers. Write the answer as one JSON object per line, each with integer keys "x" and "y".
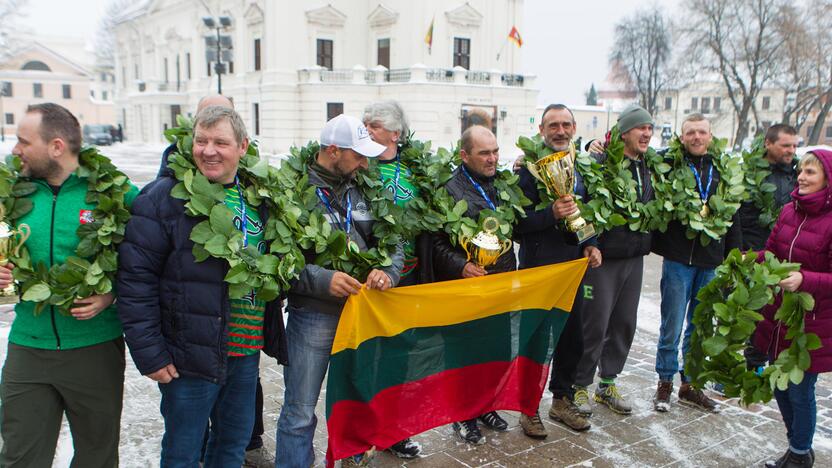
{"x": 39, "y": 386}
{"x": 257, "y": 433}
{"x": 568, "y": 351}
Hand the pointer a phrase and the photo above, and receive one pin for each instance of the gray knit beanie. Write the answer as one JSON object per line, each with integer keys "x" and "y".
{"x": 632, "y": 117}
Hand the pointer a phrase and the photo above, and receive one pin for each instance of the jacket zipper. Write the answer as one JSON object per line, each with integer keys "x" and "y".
{"x": 52, "y": 261}
{"x": 796, "y": 235}
{"x": 776, "y": 334}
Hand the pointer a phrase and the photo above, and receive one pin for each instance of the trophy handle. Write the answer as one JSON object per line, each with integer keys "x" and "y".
{"x": 463, "y": 242}
{"x": 24, "y": 231}
{"x": 506, "y": 246}
{"x": 533, "y": 169}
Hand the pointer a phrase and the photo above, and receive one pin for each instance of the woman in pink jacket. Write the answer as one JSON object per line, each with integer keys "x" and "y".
{"x": 803, "y": 234}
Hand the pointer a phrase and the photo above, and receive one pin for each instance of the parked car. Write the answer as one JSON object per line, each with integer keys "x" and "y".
{"x": 97, "y": 135}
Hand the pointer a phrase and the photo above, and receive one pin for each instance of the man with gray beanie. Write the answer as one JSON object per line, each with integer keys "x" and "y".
{"x": 611, "y": 291}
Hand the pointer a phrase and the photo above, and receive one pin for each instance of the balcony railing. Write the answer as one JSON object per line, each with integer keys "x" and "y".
{"x": 415, "y": 74}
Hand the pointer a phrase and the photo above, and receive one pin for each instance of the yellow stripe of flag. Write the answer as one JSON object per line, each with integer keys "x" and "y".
{"x": 372, "y": 313}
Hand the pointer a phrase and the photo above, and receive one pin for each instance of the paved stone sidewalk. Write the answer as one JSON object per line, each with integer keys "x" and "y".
{"x": 683, "y": 437}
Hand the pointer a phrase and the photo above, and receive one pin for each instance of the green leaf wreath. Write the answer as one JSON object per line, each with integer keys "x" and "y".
{"x": 267, "y": 273}
{"x": 303, "y": 222}
{"x": 92, "y": 269}
{"x": 678, "y": 195}
{"x": 726, "y": 318}
{"x": 758, "y": 191}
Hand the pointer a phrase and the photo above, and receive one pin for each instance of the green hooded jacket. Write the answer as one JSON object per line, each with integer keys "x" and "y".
{"x": 54, "y": 218}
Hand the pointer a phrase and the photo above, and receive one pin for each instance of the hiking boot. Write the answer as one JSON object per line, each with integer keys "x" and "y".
{"x": 581, "y": 401}
{"x": 608, "y": 395}
{"x": 696, "y": 397}
{"x": 258, "y": 458}
{"x": 362, "y": 460}
{"x": 565, "y": 411}
{"x": 533, "y": 426}
{"x": 469, "y": 432}
{"x": 779, "y": 462}
{"x": 494, "y": 421}
{"x": 406, "y": 449}
{"x": 661, "y": 400}
{"x": 793, "y": 460}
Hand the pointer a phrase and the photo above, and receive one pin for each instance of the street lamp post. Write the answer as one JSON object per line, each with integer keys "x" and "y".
{"x": 218, "y": 24}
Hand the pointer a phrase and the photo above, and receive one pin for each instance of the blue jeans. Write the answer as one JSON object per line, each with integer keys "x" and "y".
{"x": 679, "y": 285}
{"x": 799, "y": 410}
{"x": 309, "y": 336}
{"x": 187, "y": 404}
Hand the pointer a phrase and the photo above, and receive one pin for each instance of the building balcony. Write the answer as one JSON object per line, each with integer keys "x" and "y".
{"x": 417, "y": 73}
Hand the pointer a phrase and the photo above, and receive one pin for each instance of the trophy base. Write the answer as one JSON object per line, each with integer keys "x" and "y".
{"x": 585, "y": 233}
{"x": 4, "y": 300}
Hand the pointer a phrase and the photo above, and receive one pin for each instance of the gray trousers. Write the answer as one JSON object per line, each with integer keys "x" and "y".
{"x": 611, "y": 295}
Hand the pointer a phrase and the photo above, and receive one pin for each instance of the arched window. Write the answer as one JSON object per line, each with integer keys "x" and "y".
{"x": 36, "y": 65}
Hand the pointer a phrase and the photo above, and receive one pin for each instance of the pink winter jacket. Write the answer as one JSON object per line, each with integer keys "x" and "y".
{"x": 803, "y": 234}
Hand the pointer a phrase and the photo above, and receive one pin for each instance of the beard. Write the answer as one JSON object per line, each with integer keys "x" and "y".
{"x": 41, "y": 170}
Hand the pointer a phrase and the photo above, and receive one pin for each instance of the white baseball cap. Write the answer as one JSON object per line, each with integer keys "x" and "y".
{"x": 345, "y": 131}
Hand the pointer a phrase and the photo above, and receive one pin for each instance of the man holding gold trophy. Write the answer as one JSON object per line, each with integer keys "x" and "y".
{"x": 65, "y": 354}
{"x": 485, "y": 253}
{"x": 557, "y": 234}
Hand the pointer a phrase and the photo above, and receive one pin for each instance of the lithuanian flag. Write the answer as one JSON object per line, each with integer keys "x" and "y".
{"x": 410, "y": 359}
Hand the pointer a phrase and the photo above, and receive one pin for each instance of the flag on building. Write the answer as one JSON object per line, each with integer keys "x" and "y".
{"x": 514, "y": 36}
{"x": 410, "y": 359}
{"x": 429, "y": 35}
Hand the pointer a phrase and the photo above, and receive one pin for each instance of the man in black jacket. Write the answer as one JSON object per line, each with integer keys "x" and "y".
{"x": 473, "y": 181}
{"x": 780, "y": 143}
{"x": 543, "y": 241}
{"x": 178, "y": 319}
{"x": 687, "y": 267}
{"x": 612, "y": 290}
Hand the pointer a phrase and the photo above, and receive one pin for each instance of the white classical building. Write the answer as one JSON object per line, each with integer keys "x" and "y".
{"x": 296, "y": 64}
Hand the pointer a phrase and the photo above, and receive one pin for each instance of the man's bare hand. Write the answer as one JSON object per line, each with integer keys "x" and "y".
{"x": 6, "y": 277}
{"x": 564, "y": 206}
{"x": 597, "y": 147}
{"x": 594, "y": 255}
{"x": 89, "y": 307}
{"x": 471, "y": 270}
{"x": 342, "y": 285}
{"x": 165, "y": 374}
{"x": 378, "y": 279}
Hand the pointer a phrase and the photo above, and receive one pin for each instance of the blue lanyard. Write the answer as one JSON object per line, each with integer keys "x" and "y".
{"x": 347, "y": 226}
{"x": 244, "y": 220}
{"x": 479, "y": 188}
{"x": 702, "y": 195}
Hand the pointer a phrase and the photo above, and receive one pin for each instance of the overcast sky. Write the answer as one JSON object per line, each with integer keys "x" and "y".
{"x": 565, "y": 43}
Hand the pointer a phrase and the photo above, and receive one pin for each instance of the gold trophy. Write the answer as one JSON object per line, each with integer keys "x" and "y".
{"x": 11, "y": 240}
{"x": 557, "y": 172}
{"x": 485, "y": 247}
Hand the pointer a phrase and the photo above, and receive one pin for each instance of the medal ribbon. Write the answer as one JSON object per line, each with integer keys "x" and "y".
{"x": 347, "y": 225}
{"x": 244, "y": 221}
{"x": 479, "y": 188}
{"x": 702, "y": 195}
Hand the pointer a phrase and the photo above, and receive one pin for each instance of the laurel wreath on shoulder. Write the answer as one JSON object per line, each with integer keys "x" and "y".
{"x": 268, "y": 273}
{"x": 679, "y": 195}
{"x": 726, "y": 318}
{"x": 92, "y": 269}
{"x": 511, "y": 207}
{"x": 304, "y": 223}
{"x": 759, "y": 192}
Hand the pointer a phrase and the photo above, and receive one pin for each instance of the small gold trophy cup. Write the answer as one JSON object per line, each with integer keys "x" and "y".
{"x": 557, "y": 172}
{"x": 11, "y": 240}
{"x": 485, "y": 247}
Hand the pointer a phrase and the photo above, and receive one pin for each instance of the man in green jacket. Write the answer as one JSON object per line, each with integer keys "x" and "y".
{"x": 59, "y": 361}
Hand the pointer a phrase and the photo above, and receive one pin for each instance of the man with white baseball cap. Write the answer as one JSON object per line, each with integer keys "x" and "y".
{"x": 317, "y": 297}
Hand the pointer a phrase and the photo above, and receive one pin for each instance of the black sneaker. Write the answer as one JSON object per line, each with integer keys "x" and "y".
{"x": 406, "y": 449}
{"x": 494, "y": 421}
{"x": 469, "y": 432}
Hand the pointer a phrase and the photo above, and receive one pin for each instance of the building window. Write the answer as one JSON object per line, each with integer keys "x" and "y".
{"x": 717, "y": 102}
{"x": 208, "y": 64}
{"x": 694, "y": 104}
{"x": 37, "y": 90}
{"x": 334, "y": 109}
{"x": 668, "y": 103}
{"x": 324, "y": 53}
{"x": 36, "y": 65}
{"x": 165, "y": 62}
{"x": 188, "y": 65}
{"x": 462, "y": 52}
{"x": 9, "y": 118}
{"x": 829, "y": 132}
{"x": 6, "y": 90}
{"x": 257, "y": 55}
{"x": 135, "y": 72}
{"x": 67, "y": 91}
{"x": 123, "y": 77}
{"x": 766, "y": 103}
{"x": 384, "y": 52}
{"x": 104, "y": 77}
{"x": 706, "y": 105}
{"x": 92, "y": 94}
{"x": 104, "y": 95}
{"x": 230, "y": 67}
{"x": 255, "y": 112}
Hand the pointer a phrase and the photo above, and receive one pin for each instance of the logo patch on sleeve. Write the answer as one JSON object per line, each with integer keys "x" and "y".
{"x": 85, "y": 217}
